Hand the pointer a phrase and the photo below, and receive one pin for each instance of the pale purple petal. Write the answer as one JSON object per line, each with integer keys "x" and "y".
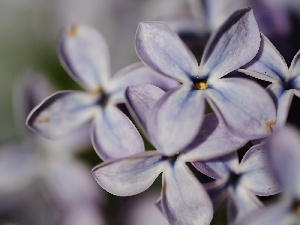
{"x": 131, "y": 175}
{"x": 233, "y": 45}
{"x": 176, "y": 119}
{"x": 268, "y": 64}
{"x": 295, "y": 70}
{"x": 141, "y": 98}
{"x": 184, "y": 199}
{"x": 257, "y": 173}
{"x": 62, "y": 112}
{"x": 219, "y": 168}
{"x": 283, "y": 150}
{"x": 213, "y": 140}
{"x": 217, "y": 191}
{"x": 85, "y": 55}
{"x": 137, "y": 74}
{"x": 240, "y": 203}
{"x": 276, "y": 215}
{"x": 283, "y": 99}
{"x": 114, "y": 135}
{"x": 161, "y": 49}
{"x": 244, "y": 106}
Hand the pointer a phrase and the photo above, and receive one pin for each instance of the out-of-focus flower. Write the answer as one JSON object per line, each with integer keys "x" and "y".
{"x": 239, "y": 183}
{"x": 283, "y": 151}
{"x": 62, "y": 181}
{"x": 135, "y": 174}
{"x": 269, "y": 65}
{"x": 85, "y": 55}
{"x": 233, "y": 45}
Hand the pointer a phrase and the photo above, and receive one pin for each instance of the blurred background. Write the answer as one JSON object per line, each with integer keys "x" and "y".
{"x": 29, "y": 32}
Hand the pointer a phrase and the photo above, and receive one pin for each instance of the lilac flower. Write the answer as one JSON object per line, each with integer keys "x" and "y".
{"x": 269, "y": 65}
{"x": 85, "y": 55}
{"x": 284, "y": 155}
{"x": 49, "y": 167}
{"x": 234, "y": 44}
{"x": 239, "y": 183}
{"x": 134, "y": 174}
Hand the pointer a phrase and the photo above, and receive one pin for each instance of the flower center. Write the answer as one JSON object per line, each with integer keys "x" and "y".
{"x": 296, "y": 207}
{"x": 200, "y": 85}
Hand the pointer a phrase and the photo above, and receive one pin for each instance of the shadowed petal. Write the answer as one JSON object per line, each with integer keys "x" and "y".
{"x": 283, "y": 99}
{"x": 176, "y": 119}
{"x": 84, "y": 53}
{"x": 155, "y": 45}
{"x": 257, "y": 173}
{"x": 213, "y": 140}
{"x": 218, "y": 168}
{"x": 268, "y": 64}
{"x": 295, "y": 69}
{"x": 234, "y": 44}
{"x": 283, "y": 150}
{"x": 131, "y": 175}
{"x": 184, "y": 200}
{"x": 246, "y": 114}
{"x": 138, "y": 74}
{"x": 141, "y": 98}
{"x": 61, "y": 113}
{"x": 114, "y": 135}
{"x": 277, "y": 215}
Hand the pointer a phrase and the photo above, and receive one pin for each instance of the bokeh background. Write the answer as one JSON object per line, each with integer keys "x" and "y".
{"x": 29, "y": 32}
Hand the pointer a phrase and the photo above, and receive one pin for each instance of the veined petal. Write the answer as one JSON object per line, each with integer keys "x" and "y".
{"x": 213, "y": 140}
{"x": 84, "y": 53}
{"x": 179, "y": 202}
{"x": 257, "y": 174}
{"x": 114, "y": 135}
{"x": 141, "y": 98}
{"x": 268, "y": 64}
{"x": 219, "y": 168}
{"x": 246, "y": 114}
{"x": 283, "y": 99}
{"x": 234, "y": 44}
{"x": 176, "y": 119}
{"x": 283, "y": 150}
{"x": 137, "y": 74}
{"x": 62, "y": 112}
{"x": 131, "y": 175}
{"x": 154, "y": 45}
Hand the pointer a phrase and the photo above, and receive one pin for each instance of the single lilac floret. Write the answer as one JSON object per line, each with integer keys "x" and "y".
{"x": 85, "y": 56}
{"x": 239, "y": 183}
{"x": 135, "y": 174}
{"x": 269, "y": 65}
{"x": 284, "y": 155}
{"x": 233, "y": 45}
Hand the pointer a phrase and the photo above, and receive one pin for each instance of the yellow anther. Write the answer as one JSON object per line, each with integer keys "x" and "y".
{"x": 297, "y": 209}
{"x": 97, "y": 90}
{"x": 200, "y": 86}
{"x": 72, "y": 31}
{"x": 43, "y": 120}
{"x": 269, "y": 125}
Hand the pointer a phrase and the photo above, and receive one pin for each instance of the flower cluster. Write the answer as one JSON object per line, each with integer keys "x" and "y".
{"x": 168, "y": 95}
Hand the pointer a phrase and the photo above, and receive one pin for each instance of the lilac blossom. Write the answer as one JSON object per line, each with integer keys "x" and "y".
{"x": 270, "y": 66}
{"x": 239, "y": 183}
{"x": 233, "y": 45}
{"x": 49, "y": 167}
{"x": 85, "y": 55}
{"x": 134, "y": 174}
{"x": 283, "y": 151}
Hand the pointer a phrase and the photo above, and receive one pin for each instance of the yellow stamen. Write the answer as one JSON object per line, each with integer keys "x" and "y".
{"x": 200, "y": 86}
{"x": 97, "y": 90}
{"x": 269, "y": 125}
{"x": 72, "y": 31}
{"x": 297, "y": 209}
{"x": 43, "y": 120}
